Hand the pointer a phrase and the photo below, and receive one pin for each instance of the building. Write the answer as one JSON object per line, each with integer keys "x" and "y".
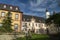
{"x": 47, "y": 14}
{"x": 16, "y": 15}
{"x": 33, "y": 23}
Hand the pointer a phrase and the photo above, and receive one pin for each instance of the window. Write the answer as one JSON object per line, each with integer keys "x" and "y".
{"x": 39, "y": 25}
{"x": 16, "y": 26}
{"x": 25, "y": 24}
{"x": 36, "y": 24}
{"x": 37, "y": 30}
{"x": 0, "y": 24}
{"x": 16, "y": 16}
{"x": 29, "y": 24}
{"x": 3, "y": 14}
{"x": 16, "y": 8}
{"x": 32, "y": 24}
{"x": 4, "y": 6}
{"x": 11, "y": 7}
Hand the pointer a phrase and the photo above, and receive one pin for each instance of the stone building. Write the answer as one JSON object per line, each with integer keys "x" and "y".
{"x": 16, "y": 15}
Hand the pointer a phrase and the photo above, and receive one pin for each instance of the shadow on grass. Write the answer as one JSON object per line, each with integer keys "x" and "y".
{"x": 55, "y": 36}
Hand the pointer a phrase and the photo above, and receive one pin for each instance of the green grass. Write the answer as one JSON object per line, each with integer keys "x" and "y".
{"x": 40, "y": 36}
{"x": 36, "y": 37}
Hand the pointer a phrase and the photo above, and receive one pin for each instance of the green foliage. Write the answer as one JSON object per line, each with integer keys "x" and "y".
{"x": 54, "y": 18}
{"x": 6, "y": 27}
{"x": 35, "y": 37}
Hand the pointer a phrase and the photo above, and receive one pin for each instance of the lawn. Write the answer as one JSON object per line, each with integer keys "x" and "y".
{"x": 36, "y": 37}
{"x": 40, "y": 37}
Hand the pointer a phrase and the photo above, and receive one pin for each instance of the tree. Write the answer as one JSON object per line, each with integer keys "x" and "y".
{"x": 7, "y": 23}
{"x": 55, "y": 19}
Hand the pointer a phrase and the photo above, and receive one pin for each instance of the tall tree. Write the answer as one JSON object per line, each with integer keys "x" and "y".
{"x": 7, "y": 23}
{"x": 55, "y": 19}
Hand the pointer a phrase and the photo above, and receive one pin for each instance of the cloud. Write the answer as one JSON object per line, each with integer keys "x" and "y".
{"x": 36, "y": 3}
{"x": 54, "y": 4}
{"x": 38, "y": 9}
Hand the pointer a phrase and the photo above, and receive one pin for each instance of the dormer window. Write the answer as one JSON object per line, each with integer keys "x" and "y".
{"x": 16, "y": 8}
{"x": 4, "y": 6}
{"x": 10, "y": 7}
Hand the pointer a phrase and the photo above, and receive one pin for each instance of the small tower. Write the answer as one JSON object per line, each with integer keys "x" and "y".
{"x": 54, "y": 12}
{"x": 47, "y": 14}
{"x": 32, "y": 20}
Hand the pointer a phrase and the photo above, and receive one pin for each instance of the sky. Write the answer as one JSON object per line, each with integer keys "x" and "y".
{"x": 34, "y": 7}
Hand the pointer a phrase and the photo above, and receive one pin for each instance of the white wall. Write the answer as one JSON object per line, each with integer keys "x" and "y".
{"x": 36, "y": 26}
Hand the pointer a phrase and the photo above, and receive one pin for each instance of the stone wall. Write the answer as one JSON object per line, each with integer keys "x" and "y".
{"x": 9, "y": 37}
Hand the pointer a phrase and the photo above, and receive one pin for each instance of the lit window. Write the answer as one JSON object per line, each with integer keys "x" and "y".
{"x": 11, "y": 7}
{"x": 16, "y": 16}
{"x": 3, "y": 14}
{"x": 16, "y": 26}
{"x": 4, "y": 6}
{"x": 0, "y": 24}
{"x": 16, "y": 8}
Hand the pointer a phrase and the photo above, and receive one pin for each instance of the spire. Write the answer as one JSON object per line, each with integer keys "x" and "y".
{"x": 46, "y": 10}
{"x": 54, "y": 12}
{"x": 47, "y": 14}
{"x": 32, "y": 17}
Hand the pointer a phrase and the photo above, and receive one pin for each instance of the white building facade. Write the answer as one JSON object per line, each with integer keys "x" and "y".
{"x": 32, "y": 25}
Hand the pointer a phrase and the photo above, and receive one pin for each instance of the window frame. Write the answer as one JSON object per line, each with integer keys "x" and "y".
{"x": 2, "y": 14}
{"x": 16, "y": 17}
{"x": 15, "y": 28}
{"x": 11, "y": 7}
{"x": 4, "y": 6}
{"x": 16, "y": 8}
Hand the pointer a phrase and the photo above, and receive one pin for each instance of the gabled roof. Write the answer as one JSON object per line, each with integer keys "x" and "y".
{"x": 8, "y": 7}
{"x": 29, "y": 17}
